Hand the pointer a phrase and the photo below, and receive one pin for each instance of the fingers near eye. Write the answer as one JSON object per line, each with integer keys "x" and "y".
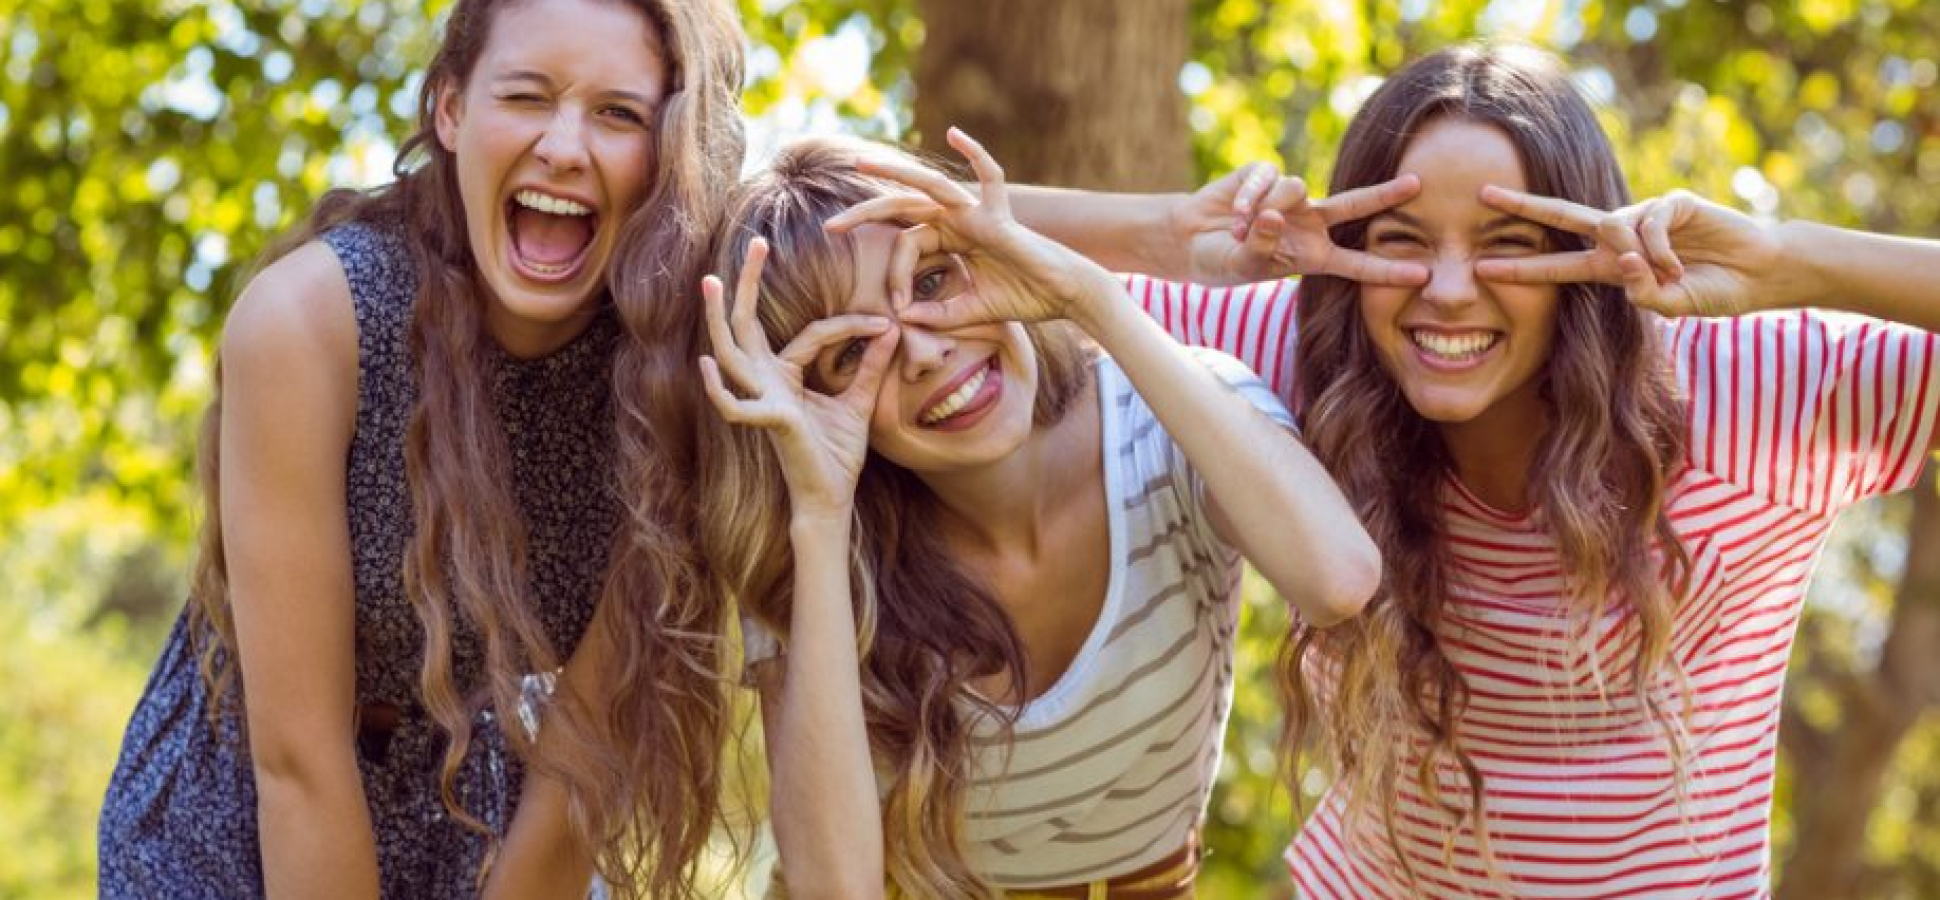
{"x": 824, "y": 333}
{"x": 1639, "y": 283}
{"x": 1552, "y": 211}
{"x": 1367, "y": 268}
{"x": 911, "y": 245}
{"x": 875, "y": 362}
{"x": 1656, "y": 234}
{"x": 1362, "y": 202}
{"x": 1549, "y": 268}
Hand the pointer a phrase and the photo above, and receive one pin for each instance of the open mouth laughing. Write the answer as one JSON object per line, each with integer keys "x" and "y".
{"x": 550, "y": 234}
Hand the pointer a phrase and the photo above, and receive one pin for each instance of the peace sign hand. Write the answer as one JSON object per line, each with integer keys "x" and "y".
{"x": 1255, "y": 225}
{"x": 1677, "y": 255}
{"x": 821, "y": 439}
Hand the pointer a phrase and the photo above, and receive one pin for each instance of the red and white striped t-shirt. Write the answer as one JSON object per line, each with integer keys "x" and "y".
{"x": 1794, "y": 416}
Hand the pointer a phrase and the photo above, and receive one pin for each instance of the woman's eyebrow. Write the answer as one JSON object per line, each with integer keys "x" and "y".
{"x": 1505, "y": 222}
{"x": 1401, "y": 217}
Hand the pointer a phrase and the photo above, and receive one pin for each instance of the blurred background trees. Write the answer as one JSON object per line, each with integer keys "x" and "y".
{"x": 152, "y": 147}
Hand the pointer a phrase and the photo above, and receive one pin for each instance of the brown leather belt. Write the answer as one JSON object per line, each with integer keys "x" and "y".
{"x": 1133, "y": 885}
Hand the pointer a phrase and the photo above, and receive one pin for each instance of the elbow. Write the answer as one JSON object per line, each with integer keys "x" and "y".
{"x": 1341, "y": 588}
{"x": 290, "y": 770}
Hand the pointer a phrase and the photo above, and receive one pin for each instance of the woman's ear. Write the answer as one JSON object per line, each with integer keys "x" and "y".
{"x": 446, "y": 112}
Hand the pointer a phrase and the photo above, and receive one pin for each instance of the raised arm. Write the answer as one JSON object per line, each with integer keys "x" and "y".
{"x": 1266, "y": 494}
{"x": 1250, "y": 225}
{"x": 824, "y": 799}
{"x": 285, "y": 430}
{"x": 1683, "y": 255}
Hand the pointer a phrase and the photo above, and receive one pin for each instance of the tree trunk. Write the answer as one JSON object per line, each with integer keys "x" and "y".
{"x": 1076, "y": 93}
{"x": 1837, "y": 776}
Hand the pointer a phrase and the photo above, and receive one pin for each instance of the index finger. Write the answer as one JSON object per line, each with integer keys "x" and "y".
{"x": 1254, "y": 180}
{"x": 933, "y": 184}
{"x": 1368, "y": 268}
{"x": 1552, "y": 211}
{"x": 885, "y": 210}
{"x": 990, "y": 175}
{"x": 1549, "y": 268}
{"x": 1362, "y": 202}
{"x": 868, "y": 376}
{"x": 823, "y": 333}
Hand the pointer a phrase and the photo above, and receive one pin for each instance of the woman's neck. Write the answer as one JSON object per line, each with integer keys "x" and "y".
{"x": 1494, "y": 456}
{"x": 1006, "y": 508}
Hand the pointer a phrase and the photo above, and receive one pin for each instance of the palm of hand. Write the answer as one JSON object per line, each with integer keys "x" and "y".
{"x": 822, "y": 442}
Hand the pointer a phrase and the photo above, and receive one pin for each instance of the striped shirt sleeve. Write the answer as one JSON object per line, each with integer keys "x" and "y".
{"x": 1252, "y": 323}
{"x": 1809, "y": 409}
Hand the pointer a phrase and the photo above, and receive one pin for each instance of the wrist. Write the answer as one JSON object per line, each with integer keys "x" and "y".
{"x": 1166, "y": 246}
{"x": 1796, "y": 280}
{"x": 820, "y": 522}
{"x": 1102, "y": 310}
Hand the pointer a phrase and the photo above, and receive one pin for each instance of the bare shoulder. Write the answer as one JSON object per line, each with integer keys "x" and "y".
{"x": 293, "y": 333}
{"x": 297, "y": 309}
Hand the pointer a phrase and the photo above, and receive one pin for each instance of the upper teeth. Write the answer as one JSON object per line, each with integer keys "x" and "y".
{"x": 949, "y": 406}
{"x": 557, "y": 206}
{"x": 1467, "y": 344}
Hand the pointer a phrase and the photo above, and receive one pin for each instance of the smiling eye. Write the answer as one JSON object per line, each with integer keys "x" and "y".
{"x": 1514, "y": 245}
{"x": 624, "y": 114}
{"x": 1396, "y": 242}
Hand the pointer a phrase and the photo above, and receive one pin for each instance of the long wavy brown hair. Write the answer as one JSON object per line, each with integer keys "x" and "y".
{"x": 642, "y": 767}
{"x": 1615, "y": 439}
{"x": 928, "y": 627}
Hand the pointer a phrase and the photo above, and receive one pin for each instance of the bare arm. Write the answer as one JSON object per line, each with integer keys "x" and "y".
{"x": 284, "y": 435}
{"x": 542, "y": 856}
{"x": 827, "y": 818}
{"x": 1878, "y": 275}
{"x": 1683, "y": 255}
{"x": 1248, "y": 226}
{"x": 824, "y": 798}
{"x": 1122, "y": 232}
{"x": 1266, "y": 494}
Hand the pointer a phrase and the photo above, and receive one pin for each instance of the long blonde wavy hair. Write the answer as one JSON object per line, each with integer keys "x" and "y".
{"x": 1616, "y": 439}
{"x": 929, "y": 627}
{"x": 642, "y": 769}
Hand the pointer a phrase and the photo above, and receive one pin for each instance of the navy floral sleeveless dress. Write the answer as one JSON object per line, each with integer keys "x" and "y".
{"x": 180, "y": 816}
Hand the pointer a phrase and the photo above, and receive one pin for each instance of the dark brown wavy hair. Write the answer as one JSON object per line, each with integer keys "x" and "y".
{"x": 1616, "y": 438}
{"x": 929, "y": 627}
{"x": 642, "y": 769}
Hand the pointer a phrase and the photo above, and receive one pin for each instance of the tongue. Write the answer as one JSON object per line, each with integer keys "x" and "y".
{"x": 548, "y": 239}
